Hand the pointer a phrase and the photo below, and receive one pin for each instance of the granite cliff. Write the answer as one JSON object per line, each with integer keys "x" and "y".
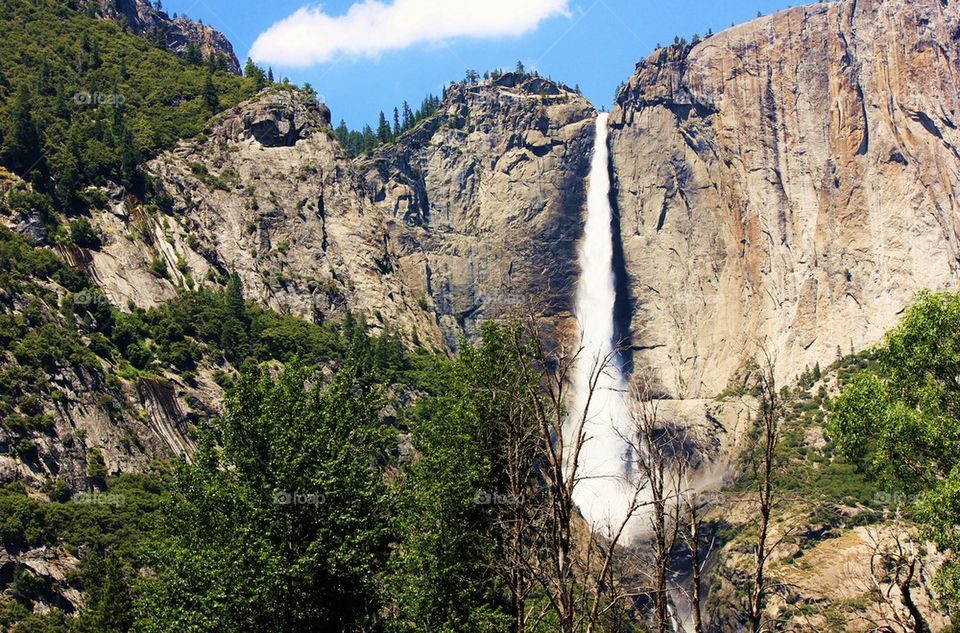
{"x": 787, "y": 183}
{"x": 485, "y": 200}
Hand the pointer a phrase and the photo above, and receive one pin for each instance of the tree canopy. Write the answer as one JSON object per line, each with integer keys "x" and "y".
{"x": 900, "y": 422}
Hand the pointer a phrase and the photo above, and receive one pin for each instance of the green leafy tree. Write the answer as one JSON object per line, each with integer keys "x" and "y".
{"x": 900, "y": 422}
{"x": 282, "y": 527}
{"x": 453, "y": 539}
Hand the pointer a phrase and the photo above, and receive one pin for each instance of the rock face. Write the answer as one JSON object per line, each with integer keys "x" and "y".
{"x": 177, "y": 34}
{"x": 787, "y": 183}
{"x": 181, "y": 32}
{"x": 485, "y": 200}
{"x": 270, "y": 195}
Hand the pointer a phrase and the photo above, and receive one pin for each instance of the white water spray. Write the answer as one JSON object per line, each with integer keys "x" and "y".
{"x": 603, "y": 492}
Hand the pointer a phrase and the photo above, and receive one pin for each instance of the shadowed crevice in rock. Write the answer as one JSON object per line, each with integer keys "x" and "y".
{"x": 623, "y": 305}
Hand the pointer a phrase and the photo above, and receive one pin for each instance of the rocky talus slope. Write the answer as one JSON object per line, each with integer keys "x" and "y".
{"x": 485, "y": 200}
{"x": 788, "y": 183}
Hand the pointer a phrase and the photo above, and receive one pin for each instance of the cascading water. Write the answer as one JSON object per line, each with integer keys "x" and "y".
{"x": 603, "y": 490}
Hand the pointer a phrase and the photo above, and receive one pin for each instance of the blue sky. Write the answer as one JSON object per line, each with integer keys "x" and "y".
{"x": 593, "y": 43}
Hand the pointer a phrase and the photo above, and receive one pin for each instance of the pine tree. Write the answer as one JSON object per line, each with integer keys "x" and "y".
{"x": 129, "y": 162}
{"x": 234, "y": 296}
{"x": 193, "y": 55}
{"x": 22, "y": 141}
{"x": 256, "y": 73}
{"x": 369, "y": 138}
{"x": 396, "y": 123}
{"x": 108, "y": 605}
{"x": 45, "y": 85}
{"x": 342, "y": 132}
{"x": 383, "y": 129}
{"x": 210, "y": 98}
{"x": 160, "y": 37}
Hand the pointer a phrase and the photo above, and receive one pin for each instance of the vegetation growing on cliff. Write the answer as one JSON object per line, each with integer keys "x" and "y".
{"x": 82, "y": 100}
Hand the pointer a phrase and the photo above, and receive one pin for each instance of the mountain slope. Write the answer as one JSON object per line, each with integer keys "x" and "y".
{"x": 178, "y": 35}
{"x": 270, "y": 195}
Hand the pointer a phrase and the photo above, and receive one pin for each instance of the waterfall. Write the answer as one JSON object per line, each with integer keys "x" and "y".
{"x": 602, "y": 491}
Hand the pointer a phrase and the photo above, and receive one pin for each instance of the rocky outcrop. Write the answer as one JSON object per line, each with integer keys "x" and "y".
{"x": 788, "y": 183}
{"x": 181, "y": 33}
{"x": 484, "y": 200}
{"x": 176, "y": 34}
{"x": 270, "y": 195}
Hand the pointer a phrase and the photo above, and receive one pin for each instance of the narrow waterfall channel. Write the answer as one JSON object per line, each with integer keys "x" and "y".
{"x": 602, "y": 491}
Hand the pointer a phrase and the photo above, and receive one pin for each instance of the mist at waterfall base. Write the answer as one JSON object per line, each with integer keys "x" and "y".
{"x": 603, "y": 492}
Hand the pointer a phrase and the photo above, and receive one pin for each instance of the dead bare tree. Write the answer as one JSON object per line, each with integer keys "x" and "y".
{"x": 577, "y": 579}
{"x": 893, "y": 568}
{"x": 769, "y": 413}
{"x": 694, "y": 505}
{"x": 660, "y": 464}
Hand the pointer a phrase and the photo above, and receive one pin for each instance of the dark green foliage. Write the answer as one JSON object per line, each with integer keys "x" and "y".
{"x": 366, "y": 140}
{"x": 158, "y": 266}
{"x": 210, "y": 96}
{"x": 40, "y": 338}
{"x": 193, "y": 55}
{"x": 97, "y": 468}
{"x": 114, "y": 520}
{"x": 254, "y": 72}
{"x": 108, "y": 604}
{"x": 21, "y": 146}
{"x": 900, "y": 421}
{"x": 82, "y": 101}
{"x": 444, "y": 568}
{"x": 82, "y": 234}
{"x": 283, "y": 528}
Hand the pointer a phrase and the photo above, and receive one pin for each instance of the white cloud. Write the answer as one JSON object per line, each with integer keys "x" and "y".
{"x": 369, "y": 28}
